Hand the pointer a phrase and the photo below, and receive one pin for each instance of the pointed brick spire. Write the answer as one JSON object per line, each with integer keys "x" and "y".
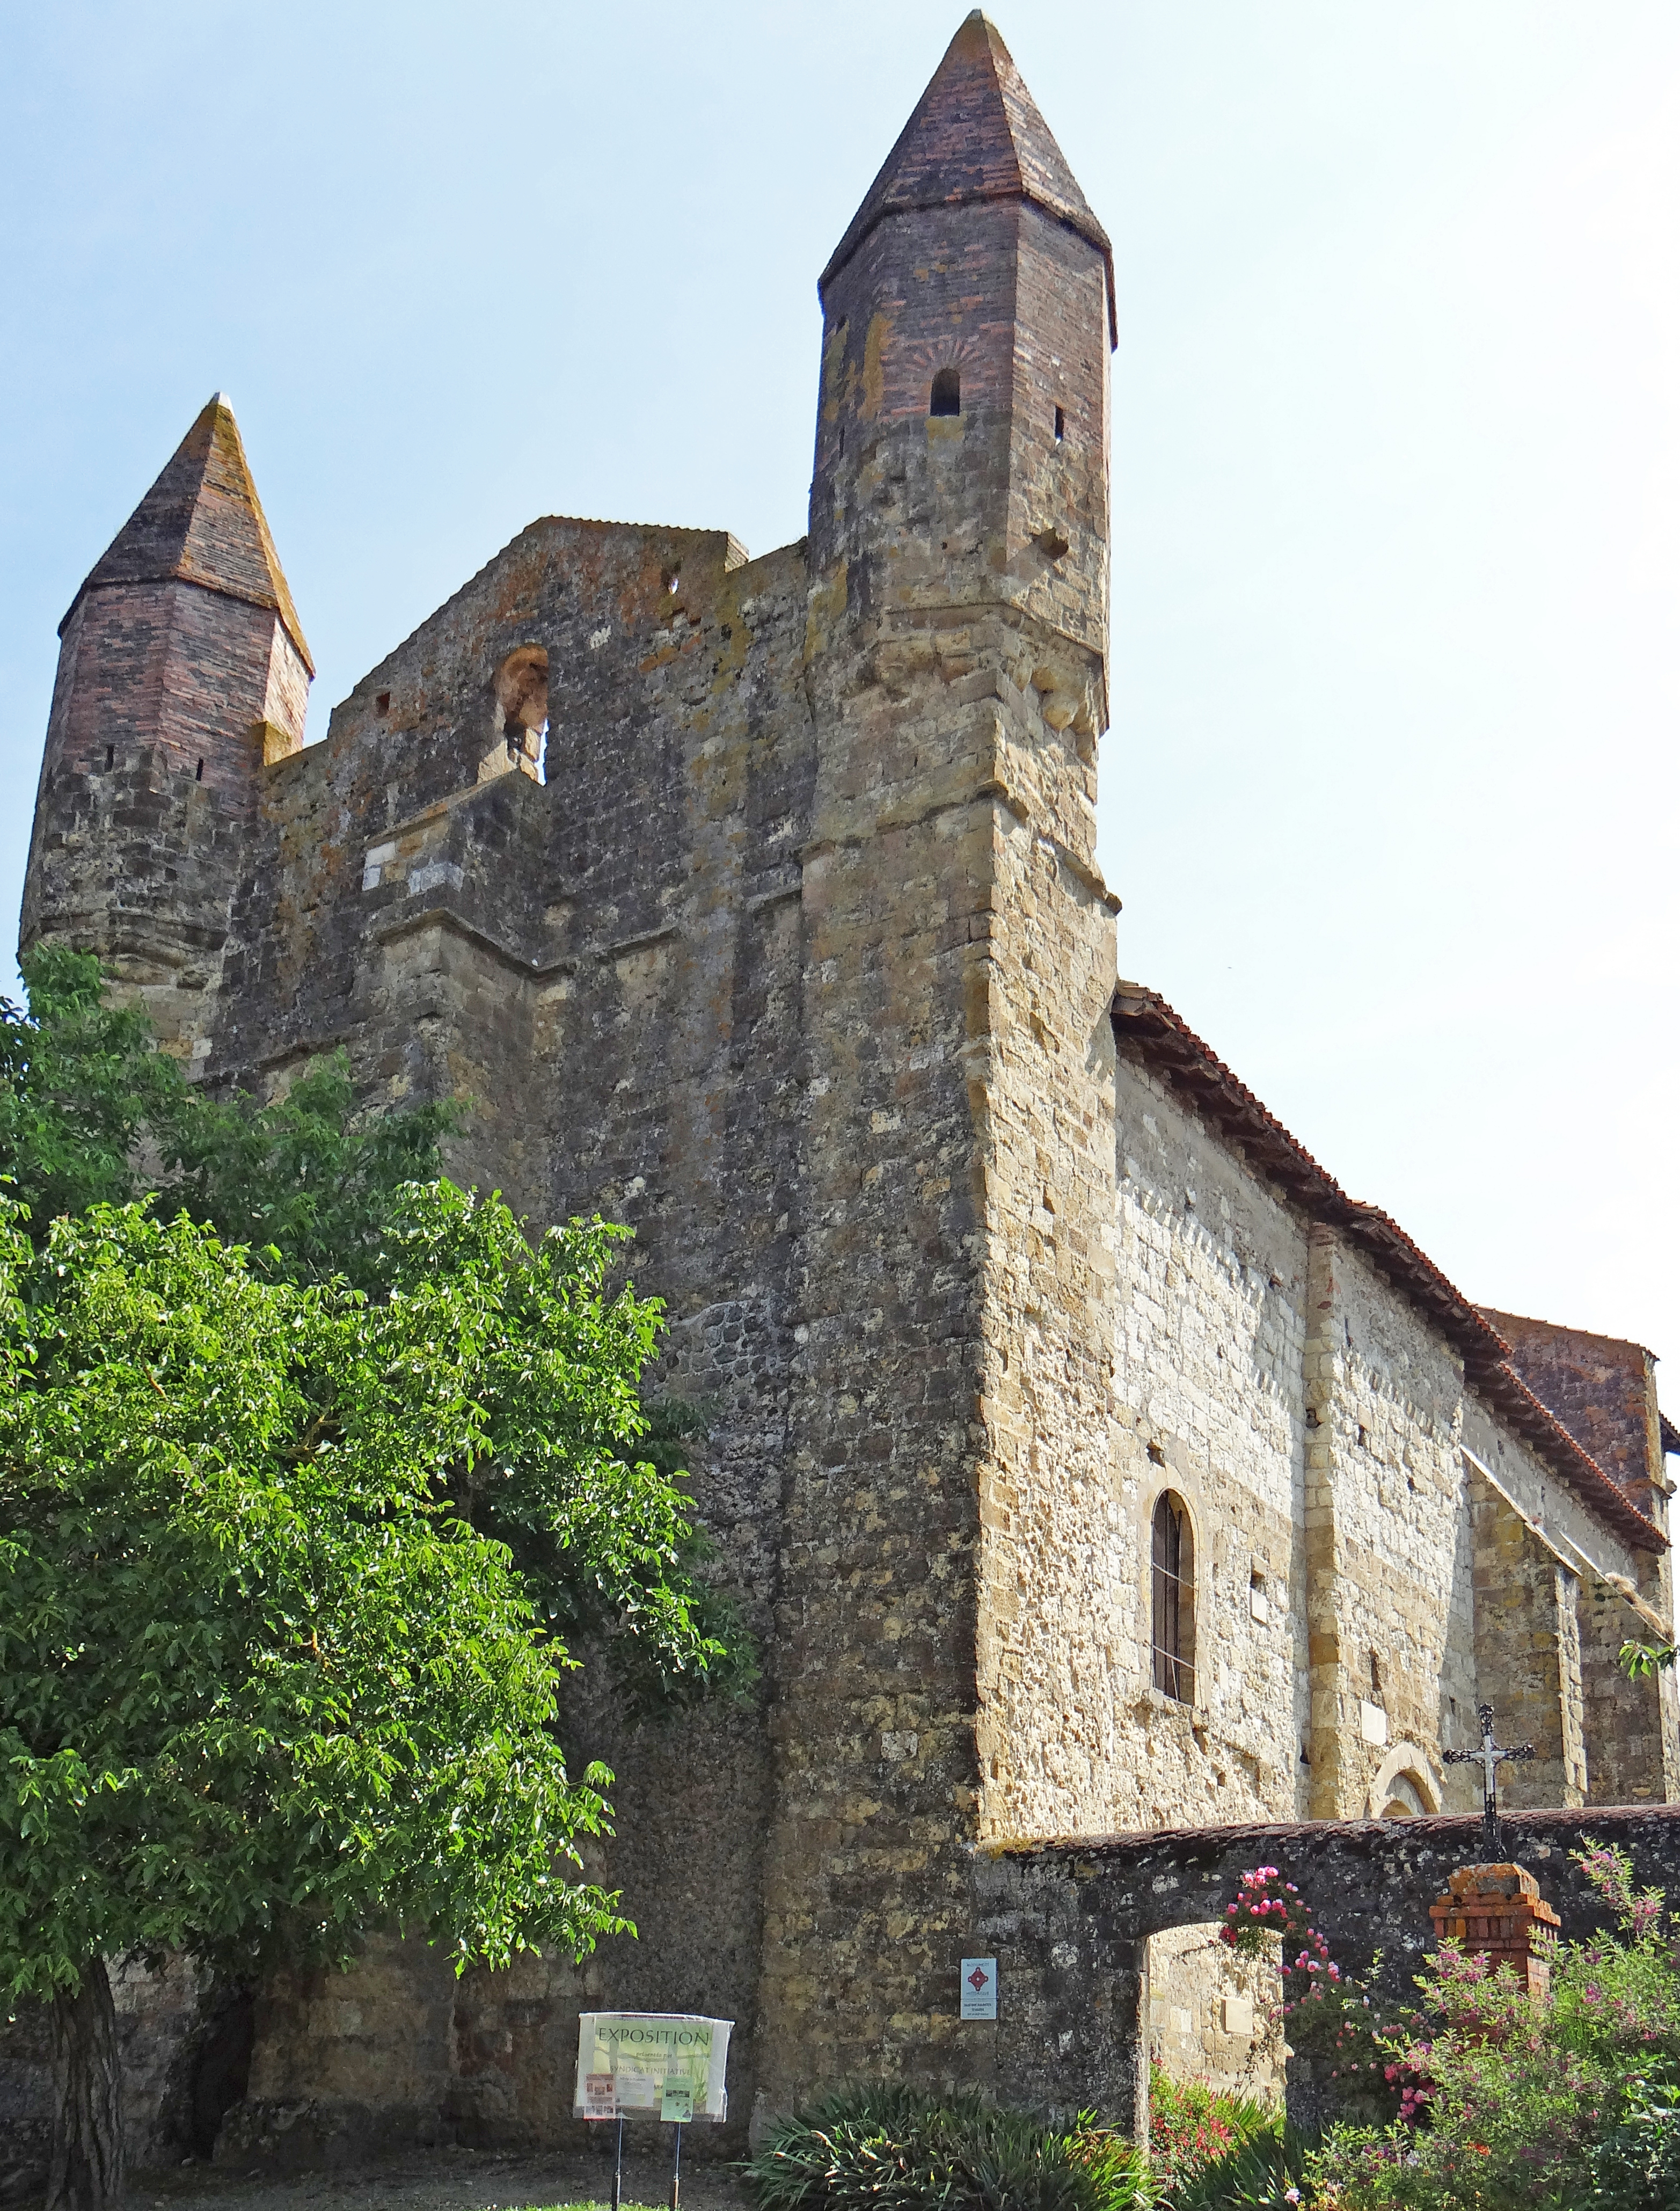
{"x": 976, "y": 134}
{"x": 202, "y": 522}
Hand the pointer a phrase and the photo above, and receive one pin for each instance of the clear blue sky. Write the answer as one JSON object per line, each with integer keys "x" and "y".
{"x": 1391, "y": 790}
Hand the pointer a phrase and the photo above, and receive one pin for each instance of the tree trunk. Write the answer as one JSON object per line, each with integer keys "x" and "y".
{"x": 86, "y": 2172}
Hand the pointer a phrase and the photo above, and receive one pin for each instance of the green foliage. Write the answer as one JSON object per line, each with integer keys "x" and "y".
{"x": 1636, "y": 2167}
{"x": 265, "y": 1686}
{"x": 892, "y": 2148}
{"x": 1523, "y": 2098}
{"x": 81, "y": 1087}
{"x": 599, "y": 1535}
{"x": 1639, "y": 1659}
{"x": 1191, "y": 2124}
{"x": 1209, "y": 2150}
{"x": 91, "y": 1113}
{"x": 1265, "y": 2170}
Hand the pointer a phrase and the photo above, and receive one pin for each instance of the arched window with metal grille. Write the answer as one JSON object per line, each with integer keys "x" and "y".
{"x": 1173, "y": 1593}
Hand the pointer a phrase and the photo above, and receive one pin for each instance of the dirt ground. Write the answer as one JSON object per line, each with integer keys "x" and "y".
{"x": 442, "y": 2180}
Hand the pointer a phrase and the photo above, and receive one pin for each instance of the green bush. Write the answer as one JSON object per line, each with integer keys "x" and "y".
{"x": 893, "y": 2147}
{"x": 1536, "y": 2107}
{"x": 1637, "y": 2166}
{"x": 1192, "y": 2126}
{"x": 1263, "y": 2171}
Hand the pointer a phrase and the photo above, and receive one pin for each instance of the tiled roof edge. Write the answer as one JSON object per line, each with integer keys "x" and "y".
{"x": 1143, "y": 1018}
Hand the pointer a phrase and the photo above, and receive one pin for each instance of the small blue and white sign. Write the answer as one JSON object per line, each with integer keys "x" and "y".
{"x": 979, "y": 1987}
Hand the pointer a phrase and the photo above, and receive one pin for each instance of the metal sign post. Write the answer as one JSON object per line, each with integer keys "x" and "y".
{"x": 670, "y": 2065}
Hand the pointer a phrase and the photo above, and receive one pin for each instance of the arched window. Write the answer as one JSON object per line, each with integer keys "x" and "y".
{"x": 1174, "y": 1608}
{"x": 1401, "y": 1788}
{"x": 522, "y": 705}
{"x": 947, "y": 395}
{"x": 1404, "y": 1800}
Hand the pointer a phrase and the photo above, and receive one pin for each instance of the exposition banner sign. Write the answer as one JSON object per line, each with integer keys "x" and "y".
{"x": 668, "y": 2065}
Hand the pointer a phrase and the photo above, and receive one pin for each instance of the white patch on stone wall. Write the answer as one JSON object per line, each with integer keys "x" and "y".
{"x": 436, "y": 872}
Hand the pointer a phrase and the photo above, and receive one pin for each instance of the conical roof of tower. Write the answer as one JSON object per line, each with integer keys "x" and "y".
{"x": 976, "y": 134}
{"x": 202, "y": 522}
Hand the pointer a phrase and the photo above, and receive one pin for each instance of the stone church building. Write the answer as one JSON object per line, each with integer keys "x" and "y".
{"x": 1088, "y": 1461}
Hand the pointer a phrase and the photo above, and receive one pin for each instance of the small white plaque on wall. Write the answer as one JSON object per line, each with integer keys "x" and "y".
{"x": 979, "y": 1987}
{"x": 1373, "y": 1724}
{"x": 1237, "y": 2014}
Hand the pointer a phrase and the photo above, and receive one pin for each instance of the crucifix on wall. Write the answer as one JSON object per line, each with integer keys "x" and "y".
{"x": 1489, "y": 1758}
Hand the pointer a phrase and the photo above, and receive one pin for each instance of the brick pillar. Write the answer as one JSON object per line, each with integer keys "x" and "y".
{"x": 1493, "y": 1911}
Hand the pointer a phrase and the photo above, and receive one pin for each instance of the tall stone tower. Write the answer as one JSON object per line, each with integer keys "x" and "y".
{"x": 793, "y": 956}
{"x": 182, "y": 670}
{"x": 943, "y": 1552}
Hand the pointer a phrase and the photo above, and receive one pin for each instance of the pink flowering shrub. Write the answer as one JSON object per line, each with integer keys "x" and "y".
{"x": 1325, "y": 2012}
{"x": 1523, "y": 2098}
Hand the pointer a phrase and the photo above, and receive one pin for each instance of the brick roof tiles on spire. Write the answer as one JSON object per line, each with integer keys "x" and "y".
{"x": 202, "y": 522}
{"x": 975, "y": 134}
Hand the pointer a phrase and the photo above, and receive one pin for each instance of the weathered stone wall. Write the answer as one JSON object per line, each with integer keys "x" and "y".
{"x": 1527, "y": 1641}
{"x": 1210, "y": 1338}
{"x": 1389, "y": 1611}
{"x": 1071, "y": 1923}
{"x": 1259, "y": 1350}
{"x": 609, "y": 963}
{"x": 163, "y": 2022}
{"x": 149, "y": 781}
{"x": 1602, "y": 1389}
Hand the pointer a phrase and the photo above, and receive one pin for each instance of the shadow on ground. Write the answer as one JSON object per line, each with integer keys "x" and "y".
{"x": 440, "y": 2180}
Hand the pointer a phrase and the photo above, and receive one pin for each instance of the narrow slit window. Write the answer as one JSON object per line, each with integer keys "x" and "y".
{"x": 198, "y": 774}
{"x": 111, "y": 755}
{"x": 1174, "y": 1599}
{"x": 946, "y": 397}
{"x": 1061, "y": 426}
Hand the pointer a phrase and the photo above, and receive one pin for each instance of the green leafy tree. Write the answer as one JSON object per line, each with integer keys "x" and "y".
{"x": 265, "y": 1685}
{"x": 92, "y": 1112}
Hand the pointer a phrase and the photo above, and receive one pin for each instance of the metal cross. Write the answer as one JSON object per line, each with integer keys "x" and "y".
{"x": 1489, "y": 1758}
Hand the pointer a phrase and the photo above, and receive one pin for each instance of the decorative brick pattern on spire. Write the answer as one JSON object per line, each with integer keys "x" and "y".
{"x": 976, "y": 134}
{"x": 202, "y": 522}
